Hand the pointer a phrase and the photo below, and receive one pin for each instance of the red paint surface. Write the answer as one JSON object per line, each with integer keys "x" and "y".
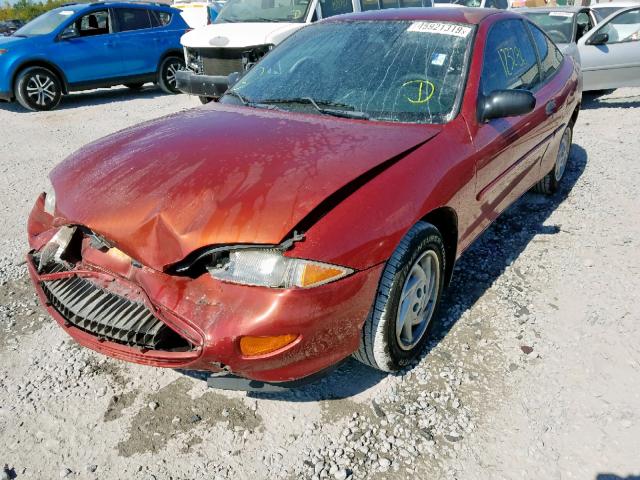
{"x": 227, "y": 175}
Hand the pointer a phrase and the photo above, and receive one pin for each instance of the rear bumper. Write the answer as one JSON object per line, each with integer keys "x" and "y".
{"x": 201, "y": 85}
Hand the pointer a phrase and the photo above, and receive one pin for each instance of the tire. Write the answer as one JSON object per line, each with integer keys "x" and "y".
{"x": 38, "y": 89}
{"x": 205, "y": 100}
{"x": 134, "y": 86}
{"x": 381, "y": 346}
{"x": 166, "y": 74}
{"x": 551, "y": 181}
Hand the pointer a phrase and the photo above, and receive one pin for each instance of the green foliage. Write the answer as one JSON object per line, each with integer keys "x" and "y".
{"x": 27, "y": 10}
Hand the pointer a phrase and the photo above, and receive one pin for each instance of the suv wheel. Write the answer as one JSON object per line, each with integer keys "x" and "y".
{"x": 38, "y": 88}
{"x": 167, "y": 74}
{"x": 407, "y": 301}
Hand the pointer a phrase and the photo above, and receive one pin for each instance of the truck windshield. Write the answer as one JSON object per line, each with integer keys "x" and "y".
{"x": 46, "y": 23}
{"x": 394, "y": 71}
{"x": 264, "y": 11}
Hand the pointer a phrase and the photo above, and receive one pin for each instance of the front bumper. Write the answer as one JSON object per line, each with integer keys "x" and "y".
{"x": 214, "y": 315}
{"x": 6, "y": 96}
{"x": 192, "y": 83}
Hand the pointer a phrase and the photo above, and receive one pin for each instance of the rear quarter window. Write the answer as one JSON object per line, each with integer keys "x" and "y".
{"x": 550, "y": 56}
{"x": 159, "y": 19}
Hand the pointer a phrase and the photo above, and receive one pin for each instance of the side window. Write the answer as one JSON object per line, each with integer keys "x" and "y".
{"x": 584, "y": 24}
{"x": 159, "y": 19}
{"x": 623, "y": 28}
{"x": 389, "y": 3}
{"x": 550, "y": 56}
{"x": 510, "y": 61}
{"x": 94, "y": 23}
{"x": 370, "y": 5}
{"x": 335, "y": 7}
{"x": 410, "y": 3}
{"x": 132, "y": 19}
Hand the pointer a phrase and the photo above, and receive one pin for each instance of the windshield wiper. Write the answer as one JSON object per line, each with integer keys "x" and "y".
{"x": 335, "y": 112}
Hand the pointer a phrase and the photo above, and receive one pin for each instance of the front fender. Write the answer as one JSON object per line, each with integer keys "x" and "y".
{"x": 366, "y": 227}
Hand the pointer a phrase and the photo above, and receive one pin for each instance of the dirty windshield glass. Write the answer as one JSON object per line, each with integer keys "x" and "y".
{"x": 264, "y": 11}
{"x": 46, "y": 23}
{"x": 558, "y": 25}
{"x": 396, "y": 71}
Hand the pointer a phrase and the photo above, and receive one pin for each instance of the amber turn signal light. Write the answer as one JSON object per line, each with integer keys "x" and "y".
{"x": 252, "y": 346}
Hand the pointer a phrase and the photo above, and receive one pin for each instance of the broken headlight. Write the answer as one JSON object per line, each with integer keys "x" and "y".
{"x": 50, "y": 199}
{"x": 270, "y": 268}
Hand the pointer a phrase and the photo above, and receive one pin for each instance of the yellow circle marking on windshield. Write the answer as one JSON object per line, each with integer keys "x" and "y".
{"x": 296, "y": 13}
{"x": 425, "y": 90}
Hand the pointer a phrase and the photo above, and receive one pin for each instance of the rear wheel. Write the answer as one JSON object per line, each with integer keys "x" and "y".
{"x": 38, "y": 88}
{"x": 134, "y": 86}
{"x": 407, "y": 301}
{"x": 167, "y": 74}
{"x": 551, "y": 181}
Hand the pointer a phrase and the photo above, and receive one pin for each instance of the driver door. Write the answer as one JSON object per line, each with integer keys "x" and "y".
{"x": 90, "y": 55}
{"x": 610, "y": 53}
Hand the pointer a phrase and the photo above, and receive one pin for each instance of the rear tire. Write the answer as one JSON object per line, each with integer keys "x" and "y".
{"x": 167, "y": 74}
{"x": 551, "y": 181}
{"x": 38, "y": 89}
{"x": 134, "y": 86}
{"x": 407, "y": 301}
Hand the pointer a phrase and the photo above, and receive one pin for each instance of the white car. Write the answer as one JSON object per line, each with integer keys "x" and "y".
{"x": 245, "y": 30}
{"x": 604, "y": 9}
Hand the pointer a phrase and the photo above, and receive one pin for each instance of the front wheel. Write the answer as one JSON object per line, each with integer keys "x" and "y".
{"x": 38, "y": 89}
{"x": 167, "y": 74}
{"x": 551, "y": 181}
{"x": 407, "y": 300}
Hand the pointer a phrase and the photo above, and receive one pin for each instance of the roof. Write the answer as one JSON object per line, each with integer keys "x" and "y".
{"x": 472, "y": 16}
{"x": 614, "y": 4}
{"x": 81, "y": 6}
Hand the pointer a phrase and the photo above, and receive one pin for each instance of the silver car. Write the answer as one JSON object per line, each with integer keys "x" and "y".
{"x": 564, "y": 25}
{"x": 610, "y": 52}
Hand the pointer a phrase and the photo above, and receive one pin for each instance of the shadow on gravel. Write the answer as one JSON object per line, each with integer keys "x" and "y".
{"x": 611, "y": 476}
{"x": 97, "y": 97}
{"x": 595, "y": 100}
{"x": 474, "y": 273}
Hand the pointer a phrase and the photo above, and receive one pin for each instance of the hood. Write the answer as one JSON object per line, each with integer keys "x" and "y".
{"x": 218, "y": 175}
{"x": 239, "y": 35}
{"x": 6, "y": 42}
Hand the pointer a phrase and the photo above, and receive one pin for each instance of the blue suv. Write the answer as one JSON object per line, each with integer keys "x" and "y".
{"x": 85, "y": 46}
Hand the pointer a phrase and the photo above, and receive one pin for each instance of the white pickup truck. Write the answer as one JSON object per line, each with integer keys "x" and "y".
{"x": 245, "y": 30}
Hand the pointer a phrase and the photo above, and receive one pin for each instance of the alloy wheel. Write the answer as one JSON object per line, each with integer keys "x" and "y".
{"x": 41, "y": 90}
{"x": 563, "y": 155}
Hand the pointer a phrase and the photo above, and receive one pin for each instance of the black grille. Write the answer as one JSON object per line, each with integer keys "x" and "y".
{"x": 110, "y": 316}
{"x": 221, "y": 61}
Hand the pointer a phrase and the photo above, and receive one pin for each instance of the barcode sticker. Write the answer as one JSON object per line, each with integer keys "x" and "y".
{"x": 442, "y": 28}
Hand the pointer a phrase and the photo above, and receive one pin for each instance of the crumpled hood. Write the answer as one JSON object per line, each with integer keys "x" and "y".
{"x": 239, "y": 35}
{"x": 218, "y": 175}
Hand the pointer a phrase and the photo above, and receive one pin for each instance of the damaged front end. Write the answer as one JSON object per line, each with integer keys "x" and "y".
{"x": 85, "y": 284}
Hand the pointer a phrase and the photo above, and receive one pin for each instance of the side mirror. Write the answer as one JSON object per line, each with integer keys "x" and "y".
{"x": 69, "y": 33}
{"x": 599, "y": 39}
{"x": 505, "y": 103}
{"x": 233, "y": 78}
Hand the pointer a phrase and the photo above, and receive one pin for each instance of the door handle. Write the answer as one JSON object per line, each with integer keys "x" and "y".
{"x": 550, "y": 107}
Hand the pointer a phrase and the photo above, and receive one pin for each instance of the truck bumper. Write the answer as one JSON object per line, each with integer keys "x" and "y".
{"x": 191, "y": 83}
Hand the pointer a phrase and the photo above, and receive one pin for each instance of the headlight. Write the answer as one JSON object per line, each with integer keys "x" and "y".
{"x": 50, "y": 200}
{"x": 269, "y": 268}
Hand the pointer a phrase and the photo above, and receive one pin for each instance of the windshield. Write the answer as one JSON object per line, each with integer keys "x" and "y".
{"x": 558, "y": 25}
{"x": 397, "y": 71}
{"x": 264, "y": 11}
{"x": 45, "y": 23}
{"x": 604, "y": 12}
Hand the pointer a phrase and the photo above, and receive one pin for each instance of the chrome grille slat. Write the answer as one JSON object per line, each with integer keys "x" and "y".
{"x": 107, "y": 315}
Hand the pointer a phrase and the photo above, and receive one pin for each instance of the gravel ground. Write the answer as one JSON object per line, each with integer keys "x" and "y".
{"x": 534, "y": 371}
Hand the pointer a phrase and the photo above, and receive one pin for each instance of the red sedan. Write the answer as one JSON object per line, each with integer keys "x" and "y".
{"x": 317, "y": 211}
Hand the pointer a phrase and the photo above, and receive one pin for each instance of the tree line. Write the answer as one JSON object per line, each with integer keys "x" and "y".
{"x": 27, "y": 9}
